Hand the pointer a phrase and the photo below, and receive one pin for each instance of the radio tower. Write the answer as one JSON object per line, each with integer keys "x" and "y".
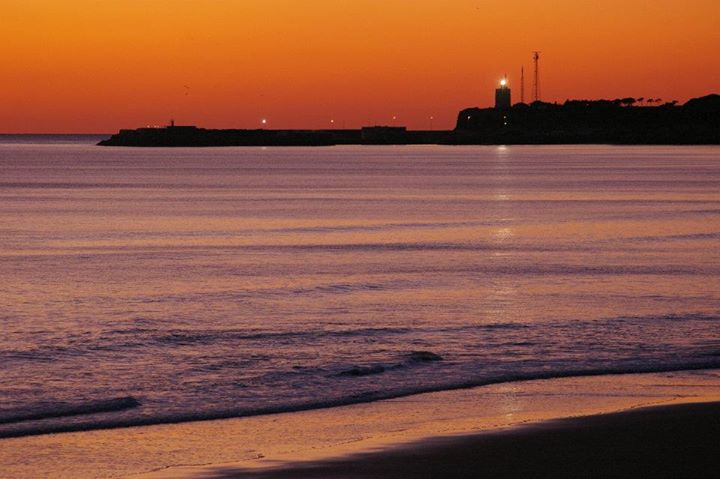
{"x": 522, "y": 84}
{"x": 536, "y": 86}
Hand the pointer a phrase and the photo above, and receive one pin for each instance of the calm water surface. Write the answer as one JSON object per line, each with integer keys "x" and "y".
{"x": 220, "y": 282}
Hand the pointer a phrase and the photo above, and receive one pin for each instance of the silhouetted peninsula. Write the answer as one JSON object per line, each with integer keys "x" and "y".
{"x": 573, "y": 122}
{"x": 593, "y": 121}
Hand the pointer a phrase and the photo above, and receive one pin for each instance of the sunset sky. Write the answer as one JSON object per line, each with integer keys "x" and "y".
{"x": 97, "y": 66}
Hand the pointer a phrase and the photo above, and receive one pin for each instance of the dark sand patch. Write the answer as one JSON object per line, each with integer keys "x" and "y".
{"x": 671, "y": 441}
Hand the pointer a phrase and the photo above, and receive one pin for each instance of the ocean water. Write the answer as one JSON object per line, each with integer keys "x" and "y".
{"x": 143, "y": 286}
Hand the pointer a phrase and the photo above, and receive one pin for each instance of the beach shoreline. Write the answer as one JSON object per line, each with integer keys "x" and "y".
{"x": 661, "y": 441}
{"x": 383, "y": 432}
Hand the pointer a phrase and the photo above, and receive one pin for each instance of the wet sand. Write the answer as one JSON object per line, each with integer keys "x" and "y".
{"x": 671, "y": 441}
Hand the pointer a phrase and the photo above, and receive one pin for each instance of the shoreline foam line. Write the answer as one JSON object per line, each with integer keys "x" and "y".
{"x": 70, "y": 410}
{"x": 363, "y": 398}
{"x": 262, "y": 442}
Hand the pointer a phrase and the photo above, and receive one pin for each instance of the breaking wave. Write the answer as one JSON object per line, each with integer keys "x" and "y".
{"x": 364, "y": 397}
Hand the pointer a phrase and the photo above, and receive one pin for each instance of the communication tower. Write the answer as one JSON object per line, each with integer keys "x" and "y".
{"x": 536, "y": 85}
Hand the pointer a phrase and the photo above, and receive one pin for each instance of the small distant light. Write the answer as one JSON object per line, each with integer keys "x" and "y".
{"x": 503, "y": 82}
{"x": 263, "y": 121}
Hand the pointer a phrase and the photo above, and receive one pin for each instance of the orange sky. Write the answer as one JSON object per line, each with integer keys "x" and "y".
{"x": 97, "y": 66}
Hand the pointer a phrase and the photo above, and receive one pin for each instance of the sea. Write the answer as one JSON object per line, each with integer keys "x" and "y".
{"x": 146, "y": 286}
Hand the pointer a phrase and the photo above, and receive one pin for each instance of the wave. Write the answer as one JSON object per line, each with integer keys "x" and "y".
{"x": 412, "y": 358}
{"x": 144, "y": 337}
{"x": 75, "y": 185}
{"x": 364, "y": 397}
{"x": 68, "y": 410}
{"x": 183, "y": 337}
{"x": 694, "y": 236}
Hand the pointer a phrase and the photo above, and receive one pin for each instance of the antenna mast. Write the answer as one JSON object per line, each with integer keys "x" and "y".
{"x": 536, "y": 86}
{"x": 522, "y": 84}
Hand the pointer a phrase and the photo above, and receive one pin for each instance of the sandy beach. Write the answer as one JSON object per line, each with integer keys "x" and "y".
{"x": 666, "y": 441}
{"x": 492, "y": 430}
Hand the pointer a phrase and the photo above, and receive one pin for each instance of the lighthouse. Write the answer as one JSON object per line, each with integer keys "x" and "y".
{"x": 502, "y": 95}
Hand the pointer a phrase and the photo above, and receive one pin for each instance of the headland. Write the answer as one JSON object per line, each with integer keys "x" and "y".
{"x": 617, "y": 121}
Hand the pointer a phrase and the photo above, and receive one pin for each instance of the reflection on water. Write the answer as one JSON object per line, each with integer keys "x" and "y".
{"x": 214, "y": 282}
